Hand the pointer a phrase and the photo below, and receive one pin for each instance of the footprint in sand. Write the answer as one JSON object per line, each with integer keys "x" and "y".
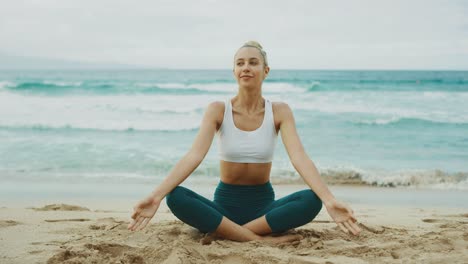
{"x": 7, "y": 223}
{"x": 61, "y": 207}
{"x": 67, "y": 220}
{"x": 429, "y": 220}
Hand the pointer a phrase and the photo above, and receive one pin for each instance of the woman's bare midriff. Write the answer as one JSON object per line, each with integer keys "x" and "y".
{"x": 244, "y": 173}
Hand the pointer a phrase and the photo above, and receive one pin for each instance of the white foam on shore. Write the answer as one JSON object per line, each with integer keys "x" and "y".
{"x": 430, "y": 179}
{"x": 425, "y": 179}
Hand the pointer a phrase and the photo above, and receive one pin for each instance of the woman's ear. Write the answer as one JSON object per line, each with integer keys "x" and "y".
{"x": 267, "y": 70}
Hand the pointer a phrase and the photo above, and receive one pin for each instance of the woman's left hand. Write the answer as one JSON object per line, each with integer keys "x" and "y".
{"x": 343, "y": 216}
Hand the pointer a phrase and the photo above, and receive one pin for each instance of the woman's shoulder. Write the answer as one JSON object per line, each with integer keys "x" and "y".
{"x": 281, "y": 112}
{"x": 280, "y": 107}
{"x": 216, "y": 106}
{"x": 216, "y": 110}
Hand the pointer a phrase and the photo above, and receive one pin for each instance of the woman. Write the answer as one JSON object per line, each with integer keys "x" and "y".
{"x": 244, "y": 208}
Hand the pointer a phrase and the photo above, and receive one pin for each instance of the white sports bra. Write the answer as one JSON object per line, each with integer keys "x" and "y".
{"x": 241, "y": 146}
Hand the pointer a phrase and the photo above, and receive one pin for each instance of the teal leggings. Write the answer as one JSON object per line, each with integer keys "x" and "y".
{"x": 242, "y": 204}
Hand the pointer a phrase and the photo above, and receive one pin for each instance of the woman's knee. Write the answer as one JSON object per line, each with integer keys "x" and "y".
{"x": 176, "y": 196}
{"x": 311, "y": 202}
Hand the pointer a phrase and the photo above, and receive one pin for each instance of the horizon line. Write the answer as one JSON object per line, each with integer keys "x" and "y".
{"x": 136, "y": 68}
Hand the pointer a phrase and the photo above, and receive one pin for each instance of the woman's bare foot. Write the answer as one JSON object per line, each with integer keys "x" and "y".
{"x": 272, "y": 240}
{"x": 280, "y": 239}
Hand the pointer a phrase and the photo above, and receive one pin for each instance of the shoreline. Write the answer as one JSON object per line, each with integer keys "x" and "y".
{"x": 13, "y": 194}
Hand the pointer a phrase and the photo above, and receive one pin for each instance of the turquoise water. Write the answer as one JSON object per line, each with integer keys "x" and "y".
{"x": 407, "y": 128}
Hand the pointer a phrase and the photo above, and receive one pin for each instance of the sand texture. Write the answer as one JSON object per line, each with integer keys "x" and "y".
{"x": 390, "y": 235}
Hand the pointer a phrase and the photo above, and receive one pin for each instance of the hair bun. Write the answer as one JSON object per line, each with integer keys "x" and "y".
{"x": 254, "y": 44}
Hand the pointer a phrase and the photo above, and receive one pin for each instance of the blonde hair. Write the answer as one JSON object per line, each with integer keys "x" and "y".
{"x": 255, "y": 44}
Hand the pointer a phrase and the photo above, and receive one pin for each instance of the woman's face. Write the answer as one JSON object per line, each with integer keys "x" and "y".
{"x": 249, "y": 67}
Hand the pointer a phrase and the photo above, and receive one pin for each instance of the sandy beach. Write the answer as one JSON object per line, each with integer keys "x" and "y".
{"x": 94, "y": 231}
{"x": 102, "y": 102}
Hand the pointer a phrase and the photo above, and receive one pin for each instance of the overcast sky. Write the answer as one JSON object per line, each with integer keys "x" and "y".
{"x": 205, "y": 34}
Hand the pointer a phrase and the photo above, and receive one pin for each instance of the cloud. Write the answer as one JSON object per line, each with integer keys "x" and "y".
{"x": 205, "y": 34}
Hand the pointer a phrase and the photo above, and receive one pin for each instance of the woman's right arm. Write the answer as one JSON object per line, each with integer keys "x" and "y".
{"x": 146, "y": 208}
{"x": 195, "y": 155}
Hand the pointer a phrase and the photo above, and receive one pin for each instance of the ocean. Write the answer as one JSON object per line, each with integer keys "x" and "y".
{"x": 407, "y": 129}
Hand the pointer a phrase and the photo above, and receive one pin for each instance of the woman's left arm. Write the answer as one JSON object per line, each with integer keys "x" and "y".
{"x": 342, "y": 214}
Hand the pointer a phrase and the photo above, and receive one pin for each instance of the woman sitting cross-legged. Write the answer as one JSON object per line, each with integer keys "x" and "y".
{"x": 244, "y": 206}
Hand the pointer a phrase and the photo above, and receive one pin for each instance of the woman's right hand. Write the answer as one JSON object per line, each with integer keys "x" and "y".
{"x": 143, "y": 212}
